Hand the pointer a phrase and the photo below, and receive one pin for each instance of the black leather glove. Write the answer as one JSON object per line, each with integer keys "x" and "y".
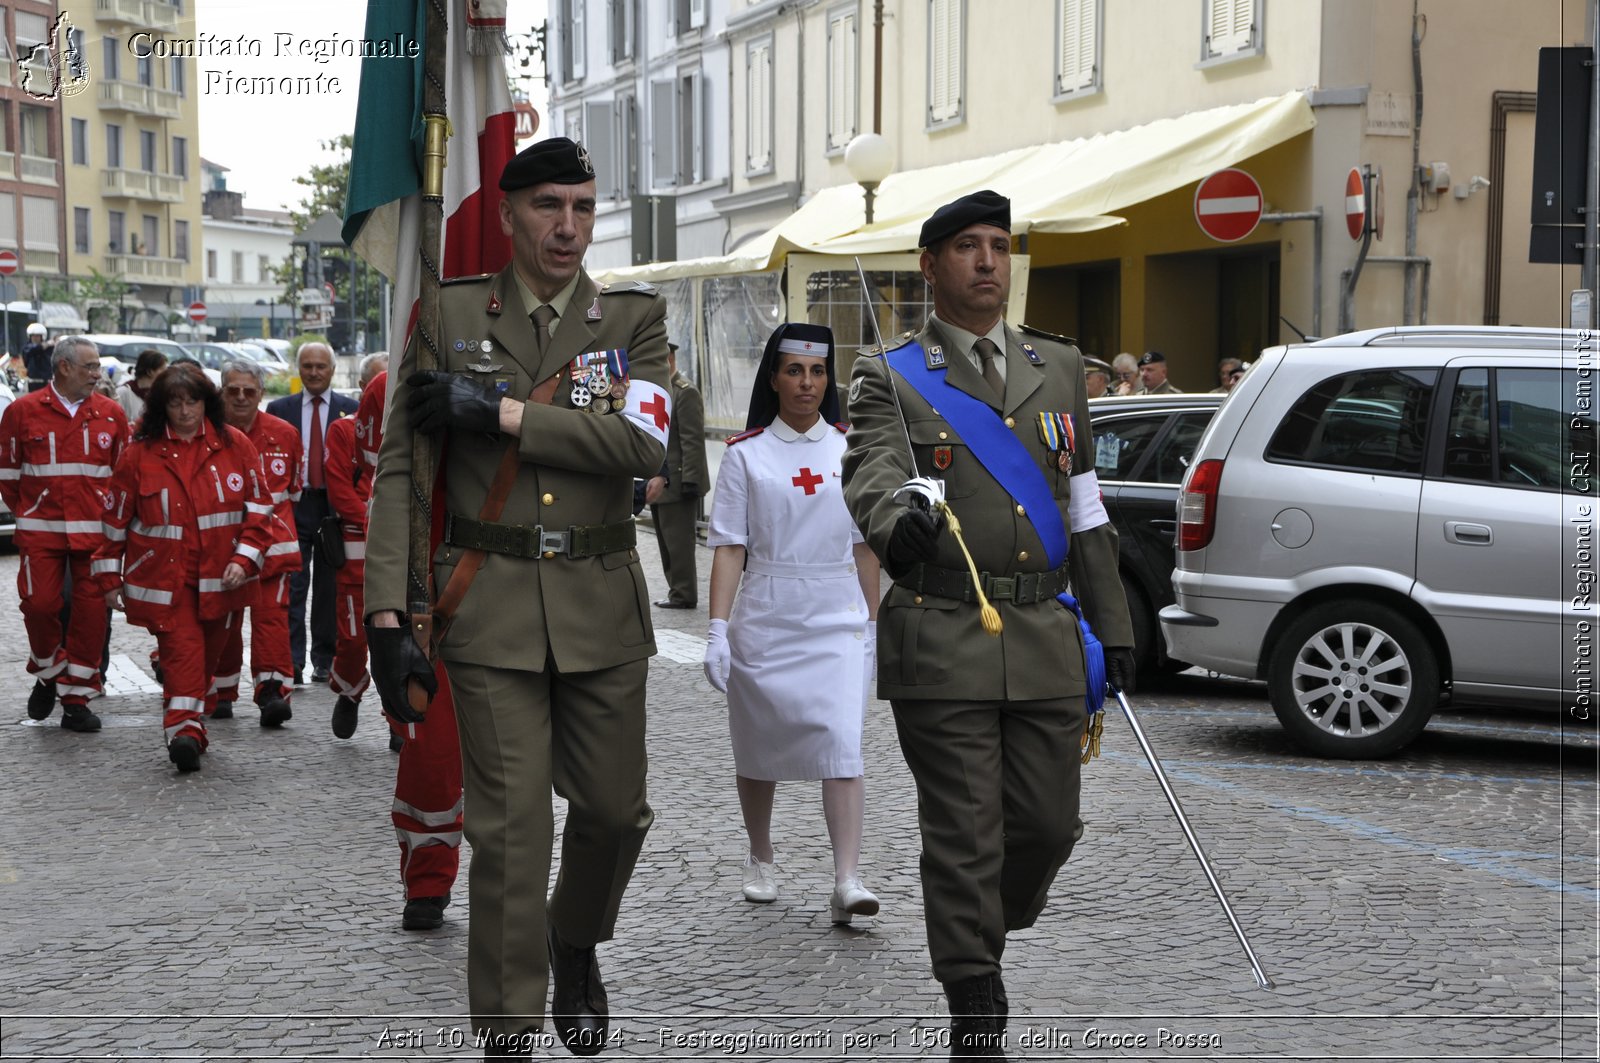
{"x": 451, "y": 400}
{"x": 396, "y": 658}
{"x": 1120, "y": 669}
{"x": 915, "y": 538}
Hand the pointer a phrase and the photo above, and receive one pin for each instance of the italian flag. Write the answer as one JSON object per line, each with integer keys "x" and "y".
{"x": 383, "y": 204}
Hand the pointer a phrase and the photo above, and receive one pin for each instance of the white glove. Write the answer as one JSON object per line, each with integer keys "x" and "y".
{"x": 872, "y": 655}
{"x": 718, "y": 657}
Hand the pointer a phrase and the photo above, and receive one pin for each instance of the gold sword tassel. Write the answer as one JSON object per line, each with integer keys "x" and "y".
{"x": 988, "y": 613}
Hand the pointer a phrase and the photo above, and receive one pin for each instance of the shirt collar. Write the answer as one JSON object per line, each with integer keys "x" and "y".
{"x": 71, "y": 407}
{"x": 783, "y": 431}
{"x": 531, "y": 302}
{"x": 964, "y": 341}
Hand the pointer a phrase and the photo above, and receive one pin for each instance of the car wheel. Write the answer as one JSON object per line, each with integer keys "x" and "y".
{"x": 1144, "y": 628}
{"x": 1353, "y": 679}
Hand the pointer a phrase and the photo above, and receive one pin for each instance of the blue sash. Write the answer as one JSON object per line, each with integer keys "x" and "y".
{"x": 1003, "y": 457}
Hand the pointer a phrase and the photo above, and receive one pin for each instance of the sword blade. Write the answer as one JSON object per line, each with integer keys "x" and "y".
{"x": 1188, "y": 832}
{"x": 883, "y": 350}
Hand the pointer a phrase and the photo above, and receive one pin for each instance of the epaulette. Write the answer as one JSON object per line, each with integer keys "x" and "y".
{"x": 748, "y": 433}
{"x": 842, "y": 426}
{"x": 466, "y": 280}
{"x": 894, "y": 343}
{"x": 1043, "y": 335}
{"x": 623, "y": 287}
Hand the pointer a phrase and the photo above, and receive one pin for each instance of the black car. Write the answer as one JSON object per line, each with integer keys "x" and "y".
{"x": 1143, "y": 445}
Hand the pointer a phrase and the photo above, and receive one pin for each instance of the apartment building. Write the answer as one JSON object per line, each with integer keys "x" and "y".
{"x": 131, "y": 165}
{"x": 242, "y": 246}
{"x": 31, "y": 199}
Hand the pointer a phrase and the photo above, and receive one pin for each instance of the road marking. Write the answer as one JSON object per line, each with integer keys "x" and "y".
{"x": 125, "y": 677}
{"x": 680, "y": 646}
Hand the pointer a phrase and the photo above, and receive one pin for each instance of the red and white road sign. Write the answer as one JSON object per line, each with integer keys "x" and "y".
{"x": 1355, "y": 204}
{"x": 1227, "y": 205}
{"x": 527, "y": 120}
{"x": 197, "y": 312}
{"x": 8, "y": 263}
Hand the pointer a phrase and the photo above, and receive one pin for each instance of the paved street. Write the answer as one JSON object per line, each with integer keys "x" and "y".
{"x": 1441, "y": 905}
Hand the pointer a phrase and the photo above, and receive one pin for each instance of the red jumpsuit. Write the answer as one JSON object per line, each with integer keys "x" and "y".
{"x": 427, "y": 786}
{"x": 278, "y": 444}
{"x": 54, "y": 469}
{"x": 179, "y": 512}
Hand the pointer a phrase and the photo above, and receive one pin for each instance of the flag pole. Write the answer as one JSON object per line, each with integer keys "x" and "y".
{"x": 424, "y": 448}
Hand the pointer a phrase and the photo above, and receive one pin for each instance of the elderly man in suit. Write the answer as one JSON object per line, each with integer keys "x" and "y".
{"x": 674, "y": 493}
{"x": 990, "y": 726}
{"x": 310, "y": 412}
{"x": 552, "y": 393}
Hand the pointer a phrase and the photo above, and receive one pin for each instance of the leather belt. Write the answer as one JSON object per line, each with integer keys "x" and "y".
{"x": 520, "y": 540}
{"x": 1025, "y": 588}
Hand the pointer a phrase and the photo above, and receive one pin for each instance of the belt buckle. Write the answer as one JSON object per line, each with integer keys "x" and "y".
{"x": 1004, "y": 587}
{"x": 551, "y": 541}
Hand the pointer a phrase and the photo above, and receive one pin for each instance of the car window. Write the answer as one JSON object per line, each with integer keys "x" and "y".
{"x": 1175, "y": 453}
{"x": 1526, "y": 442}
{"x": 1375, "y": 419}
{"x": 1120, "y": 442}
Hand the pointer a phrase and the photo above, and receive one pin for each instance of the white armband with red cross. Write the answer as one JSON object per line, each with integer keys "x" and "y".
{"x": 649, "y": 408}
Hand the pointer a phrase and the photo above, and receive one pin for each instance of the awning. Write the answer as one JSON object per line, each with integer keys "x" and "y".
{"x": 63, "y": 317}
{"x": 1069, "y": 186}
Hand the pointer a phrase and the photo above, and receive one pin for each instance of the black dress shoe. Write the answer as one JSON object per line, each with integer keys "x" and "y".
{"x": 668, "y": 603}
{"x": 319, "y": 674}
{"x": 578, "y": 997}
{"x": 424, "y": 913}
{"x": 344, "y": 717}
{"x": 185, "y": 753}
{"x": 42, "y": 699}
{"x": 977, "y": 1017}
{"x": 223, "y": 711}
{"x": 275, "y": 710}
{"x": 79, "y": 718}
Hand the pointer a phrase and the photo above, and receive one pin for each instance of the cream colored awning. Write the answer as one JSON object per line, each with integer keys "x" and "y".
{"x": 1067, "y": 187}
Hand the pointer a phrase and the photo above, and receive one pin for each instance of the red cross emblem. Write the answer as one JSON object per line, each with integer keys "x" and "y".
{"x": 656, "y": 408}
{"x": 807, "y": 481}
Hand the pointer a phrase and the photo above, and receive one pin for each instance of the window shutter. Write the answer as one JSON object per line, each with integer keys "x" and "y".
{"x": 663, "y": 124}
{"x": 577, "y": 38}
{"x": 1076, "y": 54}
{"x": 602, "y": 152}
{"x": 758, "y": 102}
{"x": 696, "y": 169}
{"x": 1229, "y": 25}
{"x": 627, "y": 125}
{"x": 944, "y": 31}
{"x": 842, "y": 75}
{"x": 697, "y": 13}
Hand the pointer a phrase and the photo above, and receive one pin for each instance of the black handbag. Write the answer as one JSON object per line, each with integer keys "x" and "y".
{"x": 329, "y": 542}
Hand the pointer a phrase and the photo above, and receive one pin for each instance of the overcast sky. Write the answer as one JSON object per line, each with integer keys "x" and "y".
{"x": 265, "y": 141}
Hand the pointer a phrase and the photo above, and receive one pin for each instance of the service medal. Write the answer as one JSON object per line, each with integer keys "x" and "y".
{"x": 618, "y": 390}
{"x": 600, "y": 405}
{"x": 581, "y": 396}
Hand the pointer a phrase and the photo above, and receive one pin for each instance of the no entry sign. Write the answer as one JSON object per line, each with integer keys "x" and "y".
{"x": 8, "y": 263}
{"x": 1227, "y": 205}
{"x": 1355, "y": 204}
{"x": 197, "y": 312}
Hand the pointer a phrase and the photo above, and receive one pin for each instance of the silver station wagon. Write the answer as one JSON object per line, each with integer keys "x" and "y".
{"x": 1388, "y": 521}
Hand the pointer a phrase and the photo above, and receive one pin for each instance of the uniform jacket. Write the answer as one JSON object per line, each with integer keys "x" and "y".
{"x": 1163, "y": 388}
{"x": 687, "y": 477}
{"x": 349, "y": 486}
{"x": 155, "y": 511}
{"x": 577, "y": 470}
{"x": 277, "y": 443}
{"x": 54, "y": 468}
{"x": 934, "y": 648}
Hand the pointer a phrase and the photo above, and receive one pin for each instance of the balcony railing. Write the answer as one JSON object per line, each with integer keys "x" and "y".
{"x": 138, "y": 184}
{"x": 145, "y": 268}
{"x": 38, "y": 170}
{"x": 140, "y": 99}
{"x": 148, "y": 14}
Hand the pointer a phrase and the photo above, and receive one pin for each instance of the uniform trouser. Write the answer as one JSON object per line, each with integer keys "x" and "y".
{"x": 190, "y": 649}
{"x": 313, "y": 580}
{"x": 997, "y": 804}
{"x": 674, "y": 523}
{"x": 71, "y": 656}
{"x": 348, "y": 676}
{"x": 427, "y": 797}
{"x": 523, "y": 733}
{"x": 269, "y": 645}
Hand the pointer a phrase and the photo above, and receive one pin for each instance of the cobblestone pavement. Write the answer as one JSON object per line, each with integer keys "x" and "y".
{"x": 1441, "y": 905}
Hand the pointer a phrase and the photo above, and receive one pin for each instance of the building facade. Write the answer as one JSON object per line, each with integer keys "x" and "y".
{"x": 131, "y": 166}
{"x": 31, "y": 199}
{"x": 242, "y": 248}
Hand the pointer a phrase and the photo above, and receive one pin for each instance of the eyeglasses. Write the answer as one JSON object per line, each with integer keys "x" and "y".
{"x": 1124, "y": 375}
{"x": 89, "y": 367}
{"x": 241, "y": 393}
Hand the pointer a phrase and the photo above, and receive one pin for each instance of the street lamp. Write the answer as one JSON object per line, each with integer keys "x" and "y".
{"x": 869, "y": 159}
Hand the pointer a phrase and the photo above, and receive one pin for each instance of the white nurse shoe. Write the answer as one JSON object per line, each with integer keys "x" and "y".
{"x": 850, "y": 898}
{"x": 760, "y": 887}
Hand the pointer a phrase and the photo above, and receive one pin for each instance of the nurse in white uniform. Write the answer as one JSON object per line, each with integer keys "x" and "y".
{"x": 794, "y": 606}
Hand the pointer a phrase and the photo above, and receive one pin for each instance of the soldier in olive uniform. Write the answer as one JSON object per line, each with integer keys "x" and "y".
{"x": 675, "y": 497}
{"x": 548, "y": 651}
{"x": 990, "y": 727}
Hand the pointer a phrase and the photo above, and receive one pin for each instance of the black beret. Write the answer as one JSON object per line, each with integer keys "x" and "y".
{"x": 557, "y": 160}
{"x": 1152, "y": 357}
{"x": 985, "y": 207}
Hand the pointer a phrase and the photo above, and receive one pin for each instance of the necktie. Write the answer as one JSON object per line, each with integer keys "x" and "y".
{"x": 987, "y": 353}
{"x": 314, "y": 449}
{"x": 542, "y": 318}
